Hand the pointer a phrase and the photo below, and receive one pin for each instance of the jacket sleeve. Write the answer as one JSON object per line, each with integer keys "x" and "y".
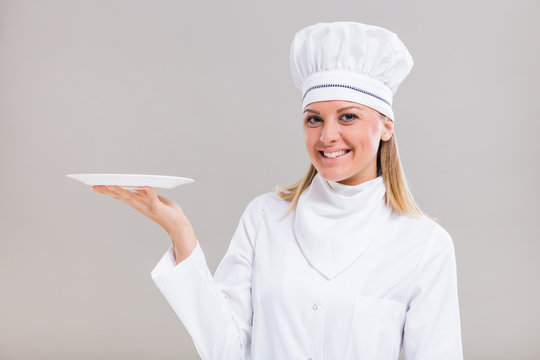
{"x": 217, "y": 312}
{"x": 432, "y": 327}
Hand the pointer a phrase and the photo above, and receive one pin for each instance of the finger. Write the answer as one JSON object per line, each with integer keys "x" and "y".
{"x": 123, "y": 193}
{"x": 141, "y": 195}
{"x": 137, "y": 201}
{"x": 102, "y": 189}
{"x": 129, "y": 197}
{"x": 154, "y": 200}
{"x": 119, "y": 193}
{"x": 151, "y": 193}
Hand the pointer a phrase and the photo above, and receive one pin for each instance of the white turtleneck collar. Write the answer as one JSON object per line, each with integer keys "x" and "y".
{"x": 335, "y": 223}
{"x": 352, "y": 189}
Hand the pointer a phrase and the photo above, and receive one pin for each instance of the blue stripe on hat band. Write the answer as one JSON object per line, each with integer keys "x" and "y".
{"x": 345, "y": 86}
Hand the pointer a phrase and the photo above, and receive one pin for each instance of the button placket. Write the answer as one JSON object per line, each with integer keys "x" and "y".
{"x": 321, "y": 306}
{"x": 316, "y": 308}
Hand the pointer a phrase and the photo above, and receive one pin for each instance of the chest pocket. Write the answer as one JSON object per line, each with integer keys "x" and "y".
{"x": 376, "y": 329}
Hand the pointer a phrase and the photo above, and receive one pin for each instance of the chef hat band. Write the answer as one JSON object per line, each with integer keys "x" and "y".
{"x": 350, "y": 86}
{"x": 349, "y": 61}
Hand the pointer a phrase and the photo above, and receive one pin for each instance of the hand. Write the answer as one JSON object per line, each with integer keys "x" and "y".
{"x": 165, "y": 212}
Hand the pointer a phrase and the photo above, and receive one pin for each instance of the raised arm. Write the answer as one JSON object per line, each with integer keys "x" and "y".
{"x": 218, "y": 311}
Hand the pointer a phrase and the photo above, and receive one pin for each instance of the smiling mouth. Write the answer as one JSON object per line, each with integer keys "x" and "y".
{"x": 334, "y": 155}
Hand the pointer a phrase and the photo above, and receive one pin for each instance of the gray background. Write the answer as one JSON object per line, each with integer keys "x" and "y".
{"x": 203, "y": 90}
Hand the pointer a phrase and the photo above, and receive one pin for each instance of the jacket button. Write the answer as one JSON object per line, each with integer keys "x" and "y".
{"x": 315, "y": 307}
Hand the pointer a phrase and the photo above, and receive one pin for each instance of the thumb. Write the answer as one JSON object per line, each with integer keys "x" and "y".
{"x": 165, "y": 200}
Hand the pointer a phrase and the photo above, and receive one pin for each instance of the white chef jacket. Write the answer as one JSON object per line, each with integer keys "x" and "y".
{"x": 341, "y": 277}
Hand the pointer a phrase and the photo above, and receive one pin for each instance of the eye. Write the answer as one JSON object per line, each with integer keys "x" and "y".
{"x": 349, "y": 117}
{"x": 312, "y": 120}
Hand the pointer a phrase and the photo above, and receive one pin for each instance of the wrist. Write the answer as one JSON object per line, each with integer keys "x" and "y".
{"x": 182, "y": 235}
{"x": 183, "y": 249}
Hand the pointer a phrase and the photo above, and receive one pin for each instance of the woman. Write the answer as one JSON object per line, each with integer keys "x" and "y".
{"x": 340, "y": 265}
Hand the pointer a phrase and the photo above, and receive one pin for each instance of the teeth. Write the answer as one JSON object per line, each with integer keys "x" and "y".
{"x": 334, "y": 154}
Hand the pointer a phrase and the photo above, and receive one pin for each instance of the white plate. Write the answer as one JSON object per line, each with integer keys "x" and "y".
{"x": 132, "y": 181}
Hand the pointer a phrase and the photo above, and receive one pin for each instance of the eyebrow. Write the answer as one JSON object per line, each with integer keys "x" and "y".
{"x": 340, "y": 110}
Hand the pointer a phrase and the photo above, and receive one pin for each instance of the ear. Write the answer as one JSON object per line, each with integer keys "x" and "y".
{"x": 388, "y": 128}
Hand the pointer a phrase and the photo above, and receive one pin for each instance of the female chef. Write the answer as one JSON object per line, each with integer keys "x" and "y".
{"x": 341, "y": 264}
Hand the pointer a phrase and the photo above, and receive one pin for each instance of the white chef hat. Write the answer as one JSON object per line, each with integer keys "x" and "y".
{"x": 346, "y": 60}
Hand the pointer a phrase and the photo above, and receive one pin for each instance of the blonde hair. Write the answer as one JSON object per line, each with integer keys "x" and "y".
{"x": 398, "y": 196}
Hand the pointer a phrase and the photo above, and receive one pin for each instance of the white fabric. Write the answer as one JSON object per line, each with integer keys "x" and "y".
{"x": 334, "y": 229}
{"x": 351, "y": 61}
{"x": 269, "y": 300}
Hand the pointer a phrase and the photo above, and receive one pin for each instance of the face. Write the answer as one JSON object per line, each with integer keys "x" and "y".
{"x": 342, "y": 139}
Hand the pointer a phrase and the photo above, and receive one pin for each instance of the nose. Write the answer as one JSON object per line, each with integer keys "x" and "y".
{"x": 329, "y": 132}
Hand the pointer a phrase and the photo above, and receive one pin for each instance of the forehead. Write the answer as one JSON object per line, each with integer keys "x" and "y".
{"x": 335, "y": 105}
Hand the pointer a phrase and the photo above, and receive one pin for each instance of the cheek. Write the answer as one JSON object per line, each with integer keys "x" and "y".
{"x": 368, "y": 140}
{"x": 373, "y": 142}
{"x": 310, "y": 138}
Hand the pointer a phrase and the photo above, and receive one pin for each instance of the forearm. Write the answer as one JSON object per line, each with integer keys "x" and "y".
{"x": 183, "y": 240}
